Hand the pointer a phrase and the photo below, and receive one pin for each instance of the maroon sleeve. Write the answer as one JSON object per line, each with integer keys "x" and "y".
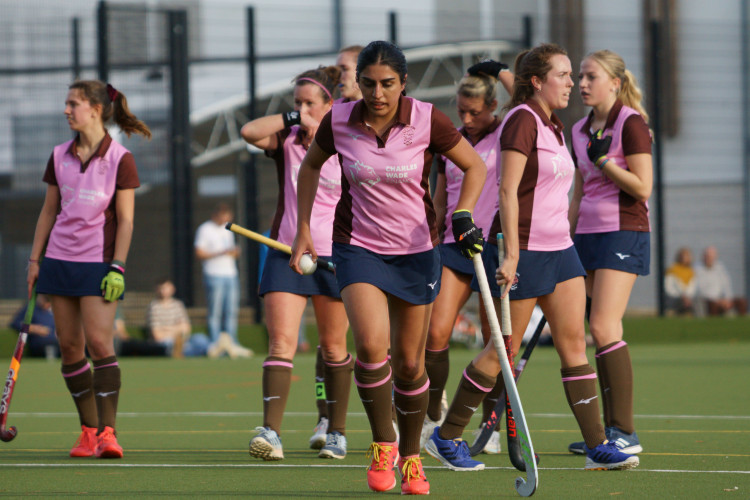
{"x": 324, "y": 135}
{"x": 49, "y": 173}
{"x": 127, "y": 173}
{"x": 636, "y": 137}
{"x": 280, "y": 138}
{"x": 440, "y": 164}
{"x": 443, "y": 134}
{"x": 519, "y": 133}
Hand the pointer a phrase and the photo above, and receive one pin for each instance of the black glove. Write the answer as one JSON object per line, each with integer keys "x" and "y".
{"x": 598, "y": 147}
{"x": 487, "y": 67}
{"x": 468, "y": 236}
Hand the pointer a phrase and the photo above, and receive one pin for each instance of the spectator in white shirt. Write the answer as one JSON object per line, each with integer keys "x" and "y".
{"x": 715, "y": 286}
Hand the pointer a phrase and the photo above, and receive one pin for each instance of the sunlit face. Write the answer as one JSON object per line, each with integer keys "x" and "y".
{"x": 381, "y": 88}
{"x": 476, "y": 116}
{"x": 595, "y": 84}
{"x": 308, "y": 98}
{"x": 79, "y": 111}
{"x": 347, "y": 63}
{"x": 555, "y": 89}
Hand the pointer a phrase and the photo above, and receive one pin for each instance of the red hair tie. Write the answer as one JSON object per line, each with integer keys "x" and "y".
{"x": 112, "y": 92}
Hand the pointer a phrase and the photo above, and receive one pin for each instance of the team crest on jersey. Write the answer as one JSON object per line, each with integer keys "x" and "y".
{"x": 101, "y": 168}
{"x": 363, "y": 174}
{"x": 408, "y": 135}
{"x": 453, "y": 173}
{"x": 561, "y": 166}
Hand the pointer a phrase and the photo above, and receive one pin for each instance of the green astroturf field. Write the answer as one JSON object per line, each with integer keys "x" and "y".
{"x": 185, "y": 426}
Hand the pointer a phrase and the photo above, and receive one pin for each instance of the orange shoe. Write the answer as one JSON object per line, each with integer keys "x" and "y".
{"x": 86, "y": 443}
{"x": 106, "y": 444}
{"x": 380, "y": 474}
{"x": 413, "y": 480}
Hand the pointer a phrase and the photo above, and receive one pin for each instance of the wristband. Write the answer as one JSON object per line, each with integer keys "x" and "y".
{"x": 601, "y": 165}
{"x": 117, "y": 266}
{"x": 291, "y": 118}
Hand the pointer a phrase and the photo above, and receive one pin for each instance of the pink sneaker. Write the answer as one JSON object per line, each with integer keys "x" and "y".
{"x": 106, "y": 444}
{"x": 380, "y": 474}
{"x": 413, "y": 480}
{"x": 86, "y": 443}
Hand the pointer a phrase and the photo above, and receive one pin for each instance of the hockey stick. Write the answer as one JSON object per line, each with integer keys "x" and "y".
{"x": 273, "y": 244}
{"x": 523, "y": 487}
{"x": 15, "y": 365}
{"x": 489, "y": 425}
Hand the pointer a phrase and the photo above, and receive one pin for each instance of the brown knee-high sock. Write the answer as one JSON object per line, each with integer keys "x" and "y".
{"x": 338, "y": 377}
{"x": 277, "y": 378}
{"x": 437, "y": 366}
{"x": 489, "y": 402}
{"x": 374, "y": 386}
{"x": 410, "y": 399}
{"x": 80, "y": 383}
{"x": 616, "y": 382}
{"x": 472, "y": 389}
{"x": 107, "y": 390}
{"x": 320, "y": 388}
{"x": 579, "y": 383}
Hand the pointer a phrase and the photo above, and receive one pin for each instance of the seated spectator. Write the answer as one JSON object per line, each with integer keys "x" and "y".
{"x": 169, "y": 324}
{"x": 715, "y": 286}
{"x": 41, "y": 341}
{"x": 679, "y": 284}
{"x": 127, "y": 345}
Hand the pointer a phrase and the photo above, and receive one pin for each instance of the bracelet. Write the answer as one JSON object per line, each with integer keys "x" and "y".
{"x": 291, "y": 118}
{"x": 118, "y": 265}
{"x": 34, "y": 261}
{"x": 601, "y": 165}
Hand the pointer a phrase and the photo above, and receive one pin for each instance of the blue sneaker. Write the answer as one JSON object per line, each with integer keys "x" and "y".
{"x": 577, "y": 448}
{"x": 335, "y": 446}
{"x": 453, "y": 453}
{"x": 626, "y": 443}
{"x": 266, "y": 445}
{"x": 606, "y": 456}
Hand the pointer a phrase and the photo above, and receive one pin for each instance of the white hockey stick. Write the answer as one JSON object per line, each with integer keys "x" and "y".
{"x": 526, "y": 487}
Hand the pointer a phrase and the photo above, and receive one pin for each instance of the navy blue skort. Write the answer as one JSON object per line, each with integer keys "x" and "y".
{"x": 537, "y": 273}
{"x": 71, "y": 279}
{"x": 277, "y": 276}
{"x": 414, "y": 278}
{"x": 628, "y": 251}
{"x": 450, "y": 255}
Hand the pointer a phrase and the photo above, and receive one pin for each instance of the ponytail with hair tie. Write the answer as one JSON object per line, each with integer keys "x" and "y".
{"x": 111, "y": 92}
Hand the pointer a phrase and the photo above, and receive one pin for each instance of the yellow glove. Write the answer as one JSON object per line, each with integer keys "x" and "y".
{"x": 113, "y": 284}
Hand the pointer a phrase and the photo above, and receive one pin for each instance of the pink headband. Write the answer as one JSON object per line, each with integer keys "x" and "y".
{"x": 316, "y": 82}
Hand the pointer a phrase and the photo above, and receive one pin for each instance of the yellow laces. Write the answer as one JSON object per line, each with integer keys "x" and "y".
{"x": 412, "y": 469}
{"x": 376, "y": 451}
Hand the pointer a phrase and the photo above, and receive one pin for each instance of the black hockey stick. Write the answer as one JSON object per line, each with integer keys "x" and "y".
{"x": 489, "y": 425}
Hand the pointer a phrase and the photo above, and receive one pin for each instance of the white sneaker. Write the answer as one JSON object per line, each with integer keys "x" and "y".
{"x": 318, "y": 439}
{"x": 221, "y": 346}
{"x": 266, "y": 445}
{"x": 237, "y": 351}
{"x": 493, "y": 446}
{"x": 427, "y": 427}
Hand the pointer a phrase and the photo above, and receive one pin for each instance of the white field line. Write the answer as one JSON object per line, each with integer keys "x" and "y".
{"x": 79, "y": 465}
{"x": 235, "y": 414}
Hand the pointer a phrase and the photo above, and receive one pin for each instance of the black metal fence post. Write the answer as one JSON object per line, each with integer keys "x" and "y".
{"x": 102, "y": 41}
{"x": 393, "y": 27}
{"x": 527, "y": 38}
{"x": 656, "y": 65}
{"x": 182, "y": 263}
{"x": 250, "y": 181}
{"x": 75, "y": 29}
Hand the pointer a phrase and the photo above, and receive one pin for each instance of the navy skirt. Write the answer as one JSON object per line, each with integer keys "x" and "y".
{"x": 279, "y": 277}
{"x": 71, "y": 279}
{"x": 628, "y": 251}
{"x": 414, "y": 278}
